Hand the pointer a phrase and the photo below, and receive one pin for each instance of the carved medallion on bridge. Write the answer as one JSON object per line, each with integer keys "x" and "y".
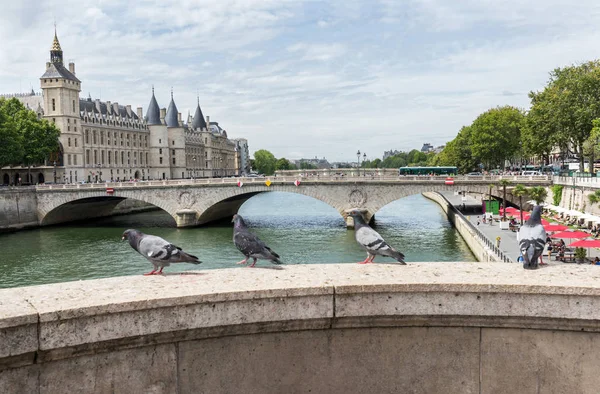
{"x": 357, "y": 198}
{"x": 186, "y": 200}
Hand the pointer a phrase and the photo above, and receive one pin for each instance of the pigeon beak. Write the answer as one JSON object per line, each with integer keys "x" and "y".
{"x": 123, "y": 238}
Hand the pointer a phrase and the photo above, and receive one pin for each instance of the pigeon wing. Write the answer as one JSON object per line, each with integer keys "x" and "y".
{"x": 371, "y": 241}
{"x": 156, "y": 248}
{"x": 248, "y": 243}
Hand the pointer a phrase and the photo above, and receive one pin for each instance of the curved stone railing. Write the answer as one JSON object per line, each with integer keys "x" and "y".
{"x": 424, "y": 327}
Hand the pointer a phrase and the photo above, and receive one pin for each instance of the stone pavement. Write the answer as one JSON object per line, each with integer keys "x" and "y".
{"x": 508, "y": 239}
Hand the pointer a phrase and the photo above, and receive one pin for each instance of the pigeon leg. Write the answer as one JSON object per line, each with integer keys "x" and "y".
{"x": 243, "y": 261}
{"x": 368, "y": 260}
{"x": 151, "y": 272}
{"x": 253, "y": 263}
{"x": 160, "y": 271}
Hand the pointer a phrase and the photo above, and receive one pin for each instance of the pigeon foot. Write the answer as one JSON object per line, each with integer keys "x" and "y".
{"x": 150, "y": 273}
{"x": 365, "y": 262}
{"x": 242, "y": 262}
{"x": 253, "y": 264}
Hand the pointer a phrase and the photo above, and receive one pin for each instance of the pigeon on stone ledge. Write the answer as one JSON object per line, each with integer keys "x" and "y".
{"x": 371, "y": 241}
{"x": 532, "y": 239}
{"x": 158, "y": 251}
{"x": 250, "y": 245}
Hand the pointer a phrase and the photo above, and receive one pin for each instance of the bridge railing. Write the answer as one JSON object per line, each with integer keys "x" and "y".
{"x": 488, "y": 242}
{"x": 291, "y": 179}
{"x": 580, "y": 181}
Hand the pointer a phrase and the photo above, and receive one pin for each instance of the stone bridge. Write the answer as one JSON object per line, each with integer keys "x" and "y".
{"x": 196, "y": 202}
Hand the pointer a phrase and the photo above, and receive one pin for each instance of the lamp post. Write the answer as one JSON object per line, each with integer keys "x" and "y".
{"x": 364, "y": 160}
{"x": 54, "y": 163}
{"x": 194, "y": 160}
{"x": 358, "y": 162}
{"x": 99, "y": 172}
{"x": 221, "y": 166}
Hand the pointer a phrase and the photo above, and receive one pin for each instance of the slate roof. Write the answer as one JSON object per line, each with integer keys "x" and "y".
{"x": 199, "y": 122}
{"x": 88, "y": 105}
{"x": 153, "y": 113}
{"x": 171, "y": 117}
{"x": 57, "y": 70}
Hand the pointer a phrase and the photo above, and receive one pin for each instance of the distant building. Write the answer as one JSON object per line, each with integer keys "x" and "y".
{"x": 427, "y": 147}
{"x": 104, "y": 141}
{"x": 390, "y": 153}
{"x": 243, "y": 156}
{"x": 319, "y": 163}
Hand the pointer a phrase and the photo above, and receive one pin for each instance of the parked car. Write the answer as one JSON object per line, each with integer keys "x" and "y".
{"x": 527, "y": 173}
{"x": 474, "y": 174}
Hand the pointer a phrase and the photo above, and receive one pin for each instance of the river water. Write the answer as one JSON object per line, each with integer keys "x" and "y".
{"x": 300, "y": 229}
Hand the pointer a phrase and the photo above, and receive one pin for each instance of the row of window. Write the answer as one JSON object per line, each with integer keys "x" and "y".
{"x": 110, "y": 156}
{"x": 115, "y": 136}
{"x": 109, "y": 122}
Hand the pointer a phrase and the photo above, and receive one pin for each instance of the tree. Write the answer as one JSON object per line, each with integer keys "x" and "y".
{"x": 264, "y": 162}
{"x": 538, "y": 194}
{"x": 594, "y": 198}
{"x": 504, "y": 183}
{"x": 11, "y": 141}
{"x": 284, "y": 164}
{"x": 520, "y": 191}
{"x": 496, "y": 135}
{"x": 458, "y": 152}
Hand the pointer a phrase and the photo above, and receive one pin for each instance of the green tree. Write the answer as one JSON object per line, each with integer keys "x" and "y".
{"x": 520, "y": 191}
{"x": 504, "y": 183}
{"x": 594, "y": 198}
{"x": 11, "y": 141}
{"x": 264, "y": 162}
{"x": 496, "y": 135}
{"x": 40, "y": 139}
{"x": 538, "y": 194}
{"x": 458, "y": 152}
{"x": 284, "y": 164}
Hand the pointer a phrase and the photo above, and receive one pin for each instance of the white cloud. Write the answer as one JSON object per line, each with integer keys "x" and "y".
{"x": 308, "y": 78}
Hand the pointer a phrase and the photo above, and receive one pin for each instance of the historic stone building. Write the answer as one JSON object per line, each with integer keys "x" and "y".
{"x": 104, "y": 141}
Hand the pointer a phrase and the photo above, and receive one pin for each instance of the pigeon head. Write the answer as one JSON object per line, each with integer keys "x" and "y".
{"x": 130, "y": 234}
{"x": 536, "y": 216}
{"x": 238, "y": 221}
{"x": 357, "y": 216}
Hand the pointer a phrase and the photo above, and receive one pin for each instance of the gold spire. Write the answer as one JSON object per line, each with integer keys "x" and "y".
{"x": 55, "y": 43}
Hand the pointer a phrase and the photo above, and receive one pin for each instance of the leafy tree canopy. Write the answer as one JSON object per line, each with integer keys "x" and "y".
{"x": 264, "y": 162}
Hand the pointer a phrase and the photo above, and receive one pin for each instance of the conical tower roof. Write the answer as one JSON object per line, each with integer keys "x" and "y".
{"x": 199, "y": 122}
{"x": 171, "y": 117}
{"x": 153, "y": 113}
{"x": 55, "y": 43}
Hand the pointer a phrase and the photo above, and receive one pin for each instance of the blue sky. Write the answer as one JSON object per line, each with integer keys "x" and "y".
{"x": 307, "y": 78}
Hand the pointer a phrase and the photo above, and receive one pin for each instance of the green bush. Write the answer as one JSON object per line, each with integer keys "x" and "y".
{"x": 557, "y": 194}
{"x": 580, "y": 253}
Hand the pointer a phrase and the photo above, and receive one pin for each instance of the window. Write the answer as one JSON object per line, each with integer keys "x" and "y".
{"x": 87, "y": 136}
{"x": 75, "y": 141}
{"x": 53, "y": 120}
{"x": 160, "y": 151}
{"x": 73, "y": 105}
{"x": 173, "y": 161}
{"x": 122, "y": 158}
{"x": 68, "y": 128}
{"x": 146, "y": 158}
{"x": 69, "y": 159}
{"x": 75, "y": 128}
{"x": 159, "y": 141}
{"x": 173, "y": 143}
{"x": 75, "y": 121}
{"x": 94, "y": 136}
{"x": 69, "y": 142}
{"x": 53, "y": 105}
{"x": 102, "y": 138}
{"x": 68, "y": 121}
{"x": 95, "y": 157}
{"x": 87, "y": 156}
{"x": 75, "y": 162}
{"x": 102, "y": 156}
{"x": 173, "y": 152}
{"x": 160, "y": 160}
{"x": 109, "y": 156}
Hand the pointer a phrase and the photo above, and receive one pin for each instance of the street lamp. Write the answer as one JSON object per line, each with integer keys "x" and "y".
{"x": 358, "y": 162}
{"x": 365, "y": 159}
{"x": 99, "y": 172}
{"x": 54, "y": 171}
{"x": 194, "y": 159}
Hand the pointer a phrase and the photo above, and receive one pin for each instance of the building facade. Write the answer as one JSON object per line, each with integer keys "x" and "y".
{"x": 105, "y": 141}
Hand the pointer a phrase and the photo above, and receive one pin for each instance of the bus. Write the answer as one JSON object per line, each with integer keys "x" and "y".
{"x": 427, "y": 171}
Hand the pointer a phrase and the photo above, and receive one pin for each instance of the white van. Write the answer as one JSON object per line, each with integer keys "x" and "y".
{"x": 526, "y": 173}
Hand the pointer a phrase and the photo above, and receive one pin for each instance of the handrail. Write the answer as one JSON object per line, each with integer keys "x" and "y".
{"x": 279, "y": 180}
{"x": 489, "y": 243}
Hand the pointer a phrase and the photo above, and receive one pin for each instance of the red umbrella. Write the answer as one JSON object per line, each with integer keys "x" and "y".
{"x": 571, "y": 234}
{"x": 586, "y": 243}
{"x": 544, "y": 222}
{"x": 555, "y": 227}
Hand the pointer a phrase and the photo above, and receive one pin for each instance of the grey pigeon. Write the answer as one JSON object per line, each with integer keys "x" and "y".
{"x": 158, "y": 251}
{"x": 532, "y": 239}
{"x": 250, "y": 245}
{"x": 371, "y": 241}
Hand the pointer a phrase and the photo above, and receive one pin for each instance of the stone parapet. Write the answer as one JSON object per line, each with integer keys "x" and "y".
{"x": 447, "y": 327}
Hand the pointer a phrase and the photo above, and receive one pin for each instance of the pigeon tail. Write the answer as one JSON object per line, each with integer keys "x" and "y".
{"x": 397, "y": 256}
{"x": 274, "y": 256}
{"x": 190, "y": 258}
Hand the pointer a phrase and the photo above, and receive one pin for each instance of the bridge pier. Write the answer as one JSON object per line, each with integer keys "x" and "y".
{"x": 186, "y": 218}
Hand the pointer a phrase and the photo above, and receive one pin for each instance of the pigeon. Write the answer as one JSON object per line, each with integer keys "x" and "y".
{"x": 250, "y": 245}
{"x": 159, "y": 252}
{"x": 532, "y": 239}
{"x": 371, "y": 241}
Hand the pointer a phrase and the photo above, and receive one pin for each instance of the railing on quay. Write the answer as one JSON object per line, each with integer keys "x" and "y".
{"x": 581, "y": 181}
{"x": 278, "y": 180}
{"x": 488, "y": 242}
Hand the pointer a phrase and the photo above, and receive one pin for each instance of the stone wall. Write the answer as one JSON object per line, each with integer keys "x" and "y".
{"x": 381, "y": 328}
{"x": 18, "y": 208}
{"x": 481, "y": 251}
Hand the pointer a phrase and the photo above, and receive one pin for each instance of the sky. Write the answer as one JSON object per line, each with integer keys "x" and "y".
{"x": 307, "y": 78}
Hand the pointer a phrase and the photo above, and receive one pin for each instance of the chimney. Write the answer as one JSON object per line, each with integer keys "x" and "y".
{"x": 179, "y": 117}
{"x": 108, "y": 107}
{"x": 140, "y": 112}
{"x": 208, "y": 122}
{"x": 72, "y": 68}
{"x": 48, "y": 65}
{"x": 116, "y": 108}
{"x": 128, "y": 107}
{"x": 97, "y": 102}
{"x": 163, "y": 113}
